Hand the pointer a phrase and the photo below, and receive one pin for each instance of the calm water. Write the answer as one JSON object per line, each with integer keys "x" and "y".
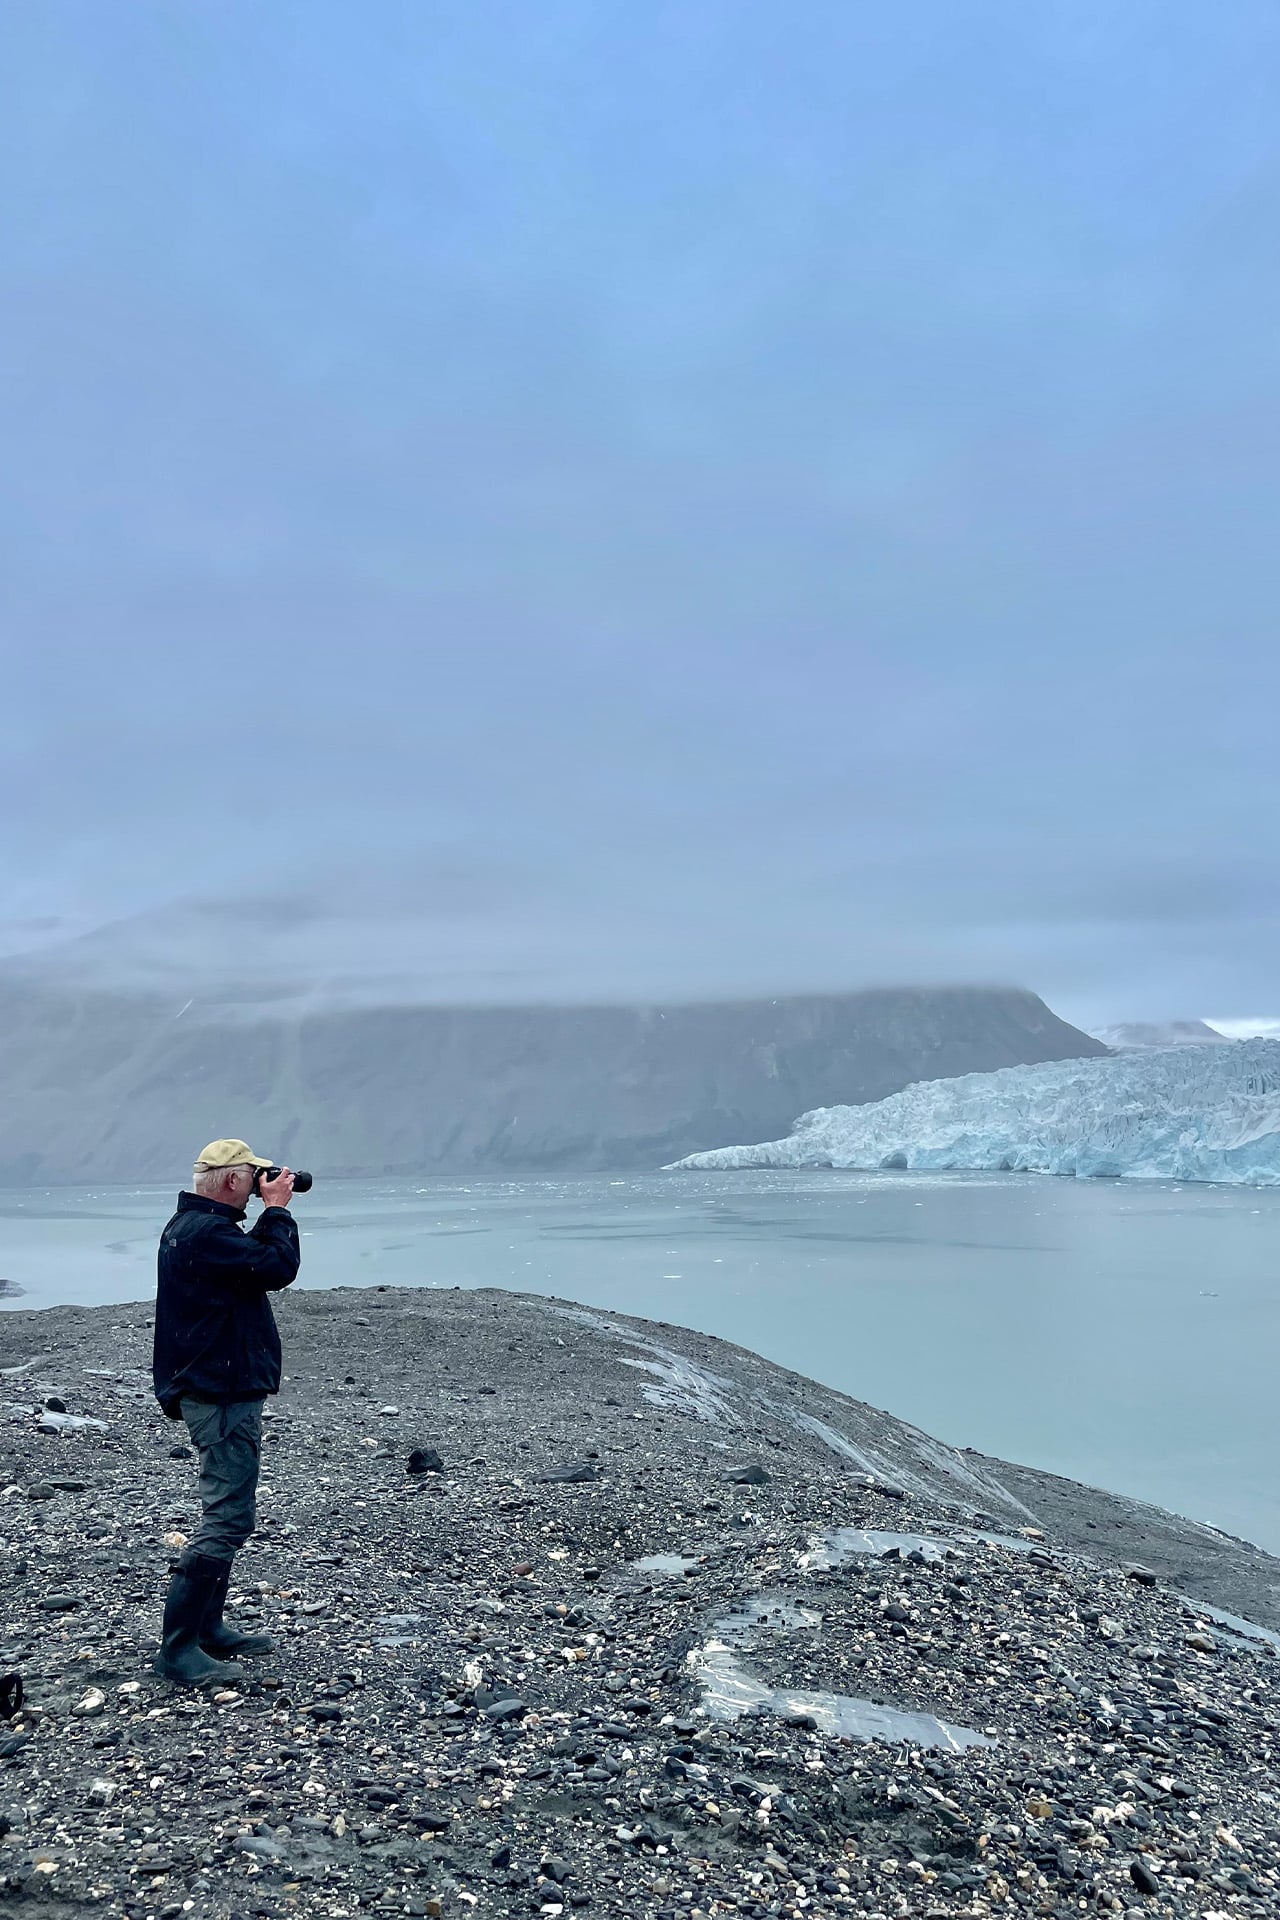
{"x": 1123, "y": 1334}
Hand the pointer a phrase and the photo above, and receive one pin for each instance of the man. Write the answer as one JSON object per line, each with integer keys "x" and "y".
{"x": 216, "y": 1357}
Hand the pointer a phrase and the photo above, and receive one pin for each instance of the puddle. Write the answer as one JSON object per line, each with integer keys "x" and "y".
{"x": 829, "y": 1550}
{"x": 395, "y": 1630}
{"x": 776, "y": 1610}
{"x": 1243, "y": 1629}
{"x": 729, "y": 1691}
{"x": 834, "y": 1549}
{"x": 671, "y": 1564}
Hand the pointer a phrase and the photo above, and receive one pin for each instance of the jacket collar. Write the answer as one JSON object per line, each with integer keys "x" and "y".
{"x": 201, "y": 1203}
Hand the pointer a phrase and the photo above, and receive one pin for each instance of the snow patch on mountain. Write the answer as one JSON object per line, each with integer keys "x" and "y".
{"x": 1174, "y": 1113}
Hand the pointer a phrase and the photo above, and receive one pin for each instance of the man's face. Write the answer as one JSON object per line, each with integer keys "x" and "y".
{"x": 239, "y": 1186}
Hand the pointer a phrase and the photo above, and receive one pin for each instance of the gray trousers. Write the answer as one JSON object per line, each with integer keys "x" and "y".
{"x": 228, "y": 1439}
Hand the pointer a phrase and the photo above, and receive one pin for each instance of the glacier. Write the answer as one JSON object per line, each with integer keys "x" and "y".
{"x": 1189, "y": 1113}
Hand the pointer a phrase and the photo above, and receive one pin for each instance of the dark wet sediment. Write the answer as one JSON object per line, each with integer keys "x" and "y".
{"x": 647, "y": 1686}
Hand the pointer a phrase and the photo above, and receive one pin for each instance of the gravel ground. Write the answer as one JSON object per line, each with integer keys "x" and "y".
{"x": 613, "y": 1648}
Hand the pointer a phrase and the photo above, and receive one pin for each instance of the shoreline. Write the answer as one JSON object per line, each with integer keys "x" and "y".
{"x": 1070, "y": 1499}
{"x": 1062, "y": 1491}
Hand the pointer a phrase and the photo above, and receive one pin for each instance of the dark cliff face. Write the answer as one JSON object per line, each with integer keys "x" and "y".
{"x": 102, "y": 1087}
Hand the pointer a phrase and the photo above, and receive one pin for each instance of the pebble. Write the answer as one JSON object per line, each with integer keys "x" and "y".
{"x": 1143, "y": 1878}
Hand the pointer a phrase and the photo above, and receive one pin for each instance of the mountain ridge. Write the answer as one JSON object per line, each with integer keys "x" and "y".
{"x": 118, "y": 1087}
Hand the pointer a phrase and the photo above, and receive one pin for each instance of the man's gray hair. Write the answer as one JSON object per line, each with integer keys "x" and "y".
{"x": 211, "y": 1180}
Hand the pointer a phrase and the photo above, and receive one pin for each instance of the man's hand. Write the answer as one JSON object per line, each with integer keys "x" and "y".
{"x": 277, "y": 1193}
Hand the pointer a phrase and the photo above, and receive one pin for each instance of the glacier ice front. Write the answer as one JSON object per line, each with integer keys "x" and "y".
{"x": 1169, "y": 1113}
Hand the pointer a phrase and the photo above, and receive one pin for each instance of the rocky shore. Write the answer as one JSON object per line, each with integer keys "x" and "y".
{"x": 578, "y": 1613}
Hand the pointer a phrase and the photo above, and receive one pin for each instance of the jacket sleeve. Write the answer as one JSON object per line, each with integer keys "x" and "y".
{"x": 263, "y": 1260}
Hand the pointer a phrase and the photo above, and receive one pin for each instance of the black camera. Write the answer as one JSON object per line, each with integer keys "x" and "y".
{"x": 302, "y": 1182}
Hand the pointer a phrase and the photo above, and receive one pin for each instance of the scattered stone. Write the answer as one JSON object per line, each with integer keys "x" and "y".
{"x": 424, "y": 1460}
{"x": 501, "y": 1707}
{"x": 750, "y": 1475}
{"x": 259, "y": 1845}
{"x": 1143, "y": 1878}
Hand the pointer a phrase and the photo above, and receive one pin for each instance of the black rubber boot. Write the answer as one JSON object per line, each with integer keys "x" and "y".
{"x": 222, "y": 1641}
{"x": 180, "y": 1658}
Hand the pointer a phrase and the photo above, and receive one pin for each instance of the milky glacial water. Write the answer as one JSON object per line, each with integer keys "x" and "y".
{"x": 1123, "y": 1334}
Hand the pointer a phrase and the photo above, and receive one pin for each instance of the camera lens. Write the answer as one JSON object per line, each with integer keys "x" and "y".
{"x": 302, "y": 1182}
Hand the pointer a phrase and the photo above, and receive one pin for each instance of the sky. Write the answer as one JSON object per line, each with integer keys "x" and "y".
{"x": 587, "y": 500}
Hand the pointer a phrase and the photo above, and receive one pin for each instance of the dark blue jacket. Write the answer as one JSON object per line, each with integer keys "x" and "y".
{"x": 215, "y": 1333}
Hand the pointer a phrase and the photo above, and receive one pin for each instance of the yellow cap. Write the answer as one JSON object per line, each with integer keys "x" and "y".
{"x": 230, "y": 1153}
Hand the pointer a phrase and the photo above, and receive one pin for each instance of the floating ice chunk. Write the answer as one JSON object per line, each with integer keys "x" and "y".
{"x": 1188, "y": 1113}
